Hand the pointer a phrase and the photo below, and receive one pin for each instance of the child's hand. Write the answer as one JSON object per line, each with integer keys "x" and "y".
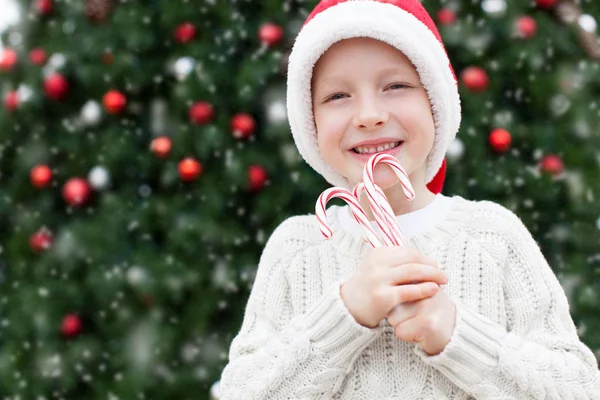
{"x": 429, "y": 322}
{"x": 389, "y": 276}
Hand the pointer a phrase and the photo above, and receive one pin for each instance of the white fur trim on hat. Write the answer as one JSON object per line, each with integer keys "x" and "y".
{"x": 390, "y": 24}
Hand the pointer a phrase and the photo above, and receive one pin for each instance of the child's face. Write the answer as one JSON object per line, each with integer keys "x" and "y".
{"x": 365, "y": 90}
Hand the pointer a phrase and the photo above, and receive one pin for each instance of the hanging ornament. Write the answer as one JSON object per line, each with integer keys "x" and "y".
{"x": 76, "y": 191}
{"x": 189, "y": 169}
{"x": 71, "y": 326}
{"x": 183, "y": 67}
{"x": 38, "y": 56}
{"x": 475, "y": 79}
{"x": 56, "y": 86}
{"x": 41, "y": 240}
{"x": 11, "y": 100}
{"x": 201, "y": 113}
{"x": 215, "y": 391}
{"x": 552, "y": 164}
{"x": 277, "y": 111}
{"x": 137, "y": 276}
{"x": 40, "y": 176}
{"x": 456, "y": 150}
{"x": 270, "y": 34}
{"x": 185, "y": 33}
{"x": 114, "y": 102}
{"x": 98, "y": 10}
{"x": 500, "y": 140}
{"x": 494, "y": 8}
{"x": 446, "y": 16}
{"x": 161, "y": 146}
{"x": 546, "y": 3}
{"x": 44, "y": 7}
{"x": 257, "y": 177}
{"x": 242, "y": 125}
{"x": 8, "y": 59}
{"x": 587, "y": 23}
{"x": 99, "y": 178}
{"x": 91, "y": 113}
{"x": 526, "y": 27}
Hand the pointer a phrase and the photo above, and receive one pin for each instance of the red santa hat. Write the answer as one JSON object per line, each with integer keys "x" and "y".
{"x": 403, "y": 24}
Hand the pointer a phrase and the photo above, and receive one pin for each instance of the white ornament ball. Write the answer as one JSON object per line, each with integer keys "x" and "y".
{"x": 136, "y": 275}
{"x": 183, "y": 67}
{"x": 99, "y": 178}
{"x": 455, "y": 150}
{"x": 91, "y": 113}
{"x": 55, "y": 63}
{"x": 277, "y": 112}
{"x": 494, "y": 8}
{"x": 587, "y": 23}
{"x": 215, "y": 391}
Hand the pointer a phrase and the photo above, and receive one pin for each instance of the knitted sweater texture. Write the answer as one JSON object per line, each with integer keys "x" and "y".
{"x": 514, "y": 337}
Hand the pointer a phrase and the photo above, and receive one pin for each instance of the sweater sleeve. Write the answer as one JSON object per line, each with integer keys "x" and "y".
{"x": 279, "y": 355}
{"x": 540, "y": 355}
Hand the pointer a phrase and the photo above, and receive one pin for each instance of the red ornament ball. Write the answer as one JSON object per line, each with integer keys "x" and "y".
{"x": 257, "y": 177}
{"x": 161, "y": 146}
{"x": 475, "y": 79}
{"x": 446, "y": 16}
{"x": 71, "y": 326}
{"x": 185, "y": 33}
{"x": 38, "y": 56}
{"x": 526, "y": 27}
{"x": 114, "y": 102}
{"x": 40, "y": 241}
{"x": 8, "y": 59}
{"x": 40, "y": 176}
{"x": 270, "y": 34}
{"x": 44, "y": 7}
{"x": 56, "y": 86}
{"x": 76, "y": 191}
{"x": 11, "y": 100}
{"x": 500, "y": 140}
{"x": 546, "y": 3}
{"x": 201, "y": 113}
{"x": 242, "y": 125}
{"x": 189, "y": 169}
{"x": 552, "y": 164}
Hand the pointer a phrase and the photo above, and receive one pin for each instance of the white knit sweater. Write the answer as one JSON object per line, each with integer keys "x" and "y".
{"x": 514, "y": 337}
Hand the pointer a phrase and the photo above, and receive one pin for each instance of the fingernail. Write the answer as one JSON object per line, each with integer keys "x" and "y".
{"x": 432, "y": 288}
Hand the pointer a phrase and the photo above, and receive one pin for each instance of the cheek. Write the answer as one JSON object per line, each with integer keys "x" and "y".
{"x": 329, "y": 131}
{"x": 418, "y": 119}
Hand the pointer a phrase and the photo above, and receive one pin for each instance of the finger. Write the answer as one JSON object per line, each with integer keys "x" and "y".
{"x": 410, "y": 331}
{"x": 411, "y": 273}
{"x": 408, "y": 293}
{"x": 403, "y": 312}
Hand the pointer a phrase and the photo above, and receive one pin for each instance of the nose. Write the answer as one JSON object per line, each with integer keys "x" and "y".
{"x": 369, "y": 115}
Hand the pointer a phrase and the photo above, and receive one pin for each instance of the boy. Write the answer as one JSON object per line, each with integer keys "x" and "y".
{"x": 370, "y": 76}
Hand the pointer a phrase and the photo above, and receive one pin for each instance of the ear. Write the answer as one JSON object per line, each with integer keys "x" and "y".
{"x": 437, "y": 183}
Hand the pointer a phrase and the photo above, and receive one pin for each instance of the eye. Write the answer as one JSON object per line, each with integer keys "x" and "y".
{"x": 396, "y": 86}
{"x": 336, "y": 96}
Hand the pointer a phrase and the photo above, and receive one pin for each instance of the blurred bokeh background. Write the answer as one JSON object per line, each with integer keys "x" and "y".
{"x": 145, "y": 158}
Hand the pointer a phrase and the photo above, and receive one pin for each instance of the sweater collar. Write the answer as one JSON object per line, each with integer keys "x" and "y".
{"x": 412, "y": 224}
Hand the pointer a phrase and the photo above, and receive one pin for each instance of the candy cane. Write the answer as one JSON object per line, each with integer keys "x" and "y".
{"x": 357, "y": 211}
{"x": 384, "y": 216}
{"x": 379, "y": 202}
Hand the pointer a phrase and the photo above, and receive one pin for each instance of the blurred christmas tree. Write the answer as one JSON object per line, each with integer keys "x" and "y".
{"x": 146, "y": 157}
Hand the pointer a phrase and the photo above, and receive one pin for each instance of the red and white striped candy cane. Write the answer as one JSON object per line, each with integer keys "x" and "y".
{"x": 384, "y": 216}
{"x": 357, "y": 211}
{"x": 380, "y": 206}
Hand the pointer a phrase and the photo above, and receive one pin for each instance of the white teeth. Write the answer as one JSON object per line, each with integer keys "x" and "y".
{"x": 371, "y": 150}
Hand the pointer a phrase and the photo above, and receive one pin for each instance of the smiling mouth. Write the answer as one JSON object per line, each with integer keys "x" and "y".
{"x": 376, "y": 149}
